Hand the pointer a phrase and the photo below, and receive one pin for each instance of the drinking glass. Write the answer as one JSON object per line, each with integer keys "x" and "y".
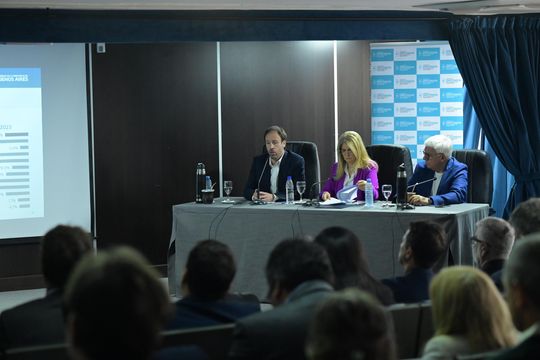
{"x": 386, "y": 190}
{"x": 227, "y": 186}
{"x": 301, "y": 187}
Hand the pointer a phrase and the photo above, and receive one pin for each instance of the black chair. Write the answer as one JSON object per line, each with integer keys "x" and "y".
{"x": 309, "y": 152}
{"x": 406, "y": 320}
{"x": 214, "y": 340}
{"x": 480, "y": 175}
{"x": 40, "y": 352}
{"x": 389, "y": 157}
{"x": 426, "y": 330}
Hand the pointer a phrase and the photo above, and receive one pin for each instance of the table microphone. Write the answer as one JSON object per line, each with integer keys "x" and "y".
{"x": 312, "y": 202}
{"x": 258, "y": 200}
{"x": 420, "y": 183}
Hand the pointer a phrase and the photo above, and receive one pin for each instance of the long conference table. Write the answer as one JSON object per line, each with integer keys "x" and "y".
{"x": 253, "y": 231}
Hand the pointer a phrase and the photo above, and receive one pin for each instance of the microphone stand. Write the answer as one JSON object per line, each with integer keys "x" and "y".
{"x": 312, "y": 202}
{"x": 258, "y": 200}
{"x": 408, "y": 206}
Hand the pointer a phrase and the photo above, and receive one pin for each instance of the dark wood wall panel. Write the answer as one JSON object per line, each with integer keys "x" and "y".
{"x": 354, "y": 89}
{"x": 155, "y": 118}
{"x": 266, "y": 83}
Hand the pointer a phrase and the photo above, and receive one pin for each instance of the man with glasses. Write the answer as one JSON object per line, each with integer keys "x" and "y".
{"x": 441, "y": 179}
{"x": 492, "y": 243}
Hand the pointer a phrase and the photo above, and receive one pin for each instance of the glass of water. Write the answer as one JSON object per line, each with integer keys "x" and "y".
{"x": 301, "y": 187}
{"x": 227, "y": 187}
{"x": 386, "y": 190}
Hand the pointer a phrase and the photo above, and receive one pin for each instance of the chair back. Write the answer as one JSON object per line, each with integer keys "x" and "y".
{"x": 426, "y": 330}
{"x": 389, "y": 157}
{"x": 480, "y": 175}
{"x": 40, "y": 352}
{"x": 406, "y": 319}
{"x": 214, "y": 340}
{"x": 308, "y": 150}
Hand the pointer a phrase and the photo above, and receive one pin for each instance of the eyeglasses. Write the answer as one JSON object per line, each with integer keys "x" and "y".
{"x": 476, "y": 241}
{"x": 428, "y": 156}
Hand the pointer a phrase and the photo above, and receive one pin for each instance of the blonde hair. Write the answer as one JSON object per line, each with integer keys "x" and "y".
{"x": 354, "y": 141}
{"x": 466, "y": 302}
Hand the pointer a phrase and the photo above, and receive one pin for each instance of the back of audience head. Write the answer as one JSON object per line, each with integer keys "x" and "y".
{"x": 526, "y": 217}
{"x": 61, "y": 248}
{"x": 116, "y": 306}
{"x": 350, "y": 325}
{"x": 293, "y": 262}
{"x": 210, "y": 269}
{"x": 493, "y": 239}
{"x": 466, "y": 302}
{"x": 521, "y": 278}
{"x": 423, "y": 244}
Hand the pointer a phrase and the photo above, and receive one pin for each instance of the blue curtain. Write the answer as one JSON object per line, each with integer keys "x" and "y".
{"x": 499, "y": 59}
{"x": 474, "y": 138}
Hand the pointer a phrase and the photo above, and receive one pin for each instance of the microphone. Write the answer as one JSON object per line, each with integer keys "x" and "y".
{"x": 312, "y": 202}
{"x": 258, "y": 200}
{"x": 420, "y": 183}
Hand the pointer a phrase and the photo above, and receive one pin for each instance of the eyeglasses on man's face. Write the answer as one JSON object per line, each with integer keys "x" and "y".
{"x": 428, "y": 156}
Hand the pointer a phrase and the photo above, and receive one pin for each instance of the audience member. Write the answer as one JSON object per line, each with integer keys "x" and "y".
{"x": 349, "y": 263}
{"x": 299, "y": 276}
{"x": 269, "y": 171}
{"x": 469, "y": 315}
{"x": 526, "y": 220}
{"x": 492, "y": 243}
{"x": 116, "y": 307}
{"x": 422, "y": 245}
{"x": 353, "y": 168}
{"x": 350, "y": 325}
{"x": 521, "y": 278}
{"x": 450, "y": 184}
{"x": 209, "y": 272}
{"x": 41, "y": 321}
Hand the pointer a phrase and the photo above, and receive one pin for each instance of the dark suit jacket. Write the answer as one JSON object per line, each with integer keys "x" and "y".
{"x": 279, "y": 333}
{"x": 191, "y": 312}
{"x": 36, "y": 322}
{"x": 292, "y": 164}
{"x": 412, "y": 287}
{"x": 528, "y": 349}
{"x": 452, "y": 188}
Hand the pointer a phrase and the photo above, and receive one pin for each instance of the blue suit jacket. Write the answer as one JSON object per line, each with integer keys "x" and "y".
{"x": 191, "y": 312}
{"x": 292, "y": 164}
{"x": 412, "y": 287}
{"x": 453, "y": 185}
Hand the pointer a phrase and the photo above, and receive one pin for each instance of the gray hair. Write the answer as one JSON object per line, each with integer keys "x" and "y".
{"x": 441, "y": 143}
{"x": 526, "y": 217}
{"x": 498, "y": 234}
{"x": 523, "y": 268}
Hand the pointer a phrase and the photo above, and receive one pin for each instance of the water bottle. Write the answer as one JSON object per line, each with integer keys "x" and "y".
{"x": 289, "y": 189}
{"x": 199, "y": 182}
{"x": 208, "y": 183}
{"x": 401, "y": 187}
{"x": 369, "y": 193}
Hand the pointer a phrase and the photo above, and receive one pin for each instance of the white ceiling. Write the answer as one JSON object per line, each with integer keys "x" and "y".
{"x": 455, "y": 6}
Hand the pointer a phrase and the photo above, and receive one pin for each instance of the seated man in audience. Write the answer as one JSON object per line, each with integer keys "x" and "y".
{"x": 450, "y": 184}
{"x": 269, "y": 171}
{"x": 492, "y": 243}
{"x": 526, "y": 220}
{"x": 422, "y": 245}
{"x": 351, "y": 324}
{"x": 41, "y": 321}
{"x": 209, "y": 272}
{"x": 521, "y": 277}
{"x": 116, "y": 307}
{"x": 299, "y": 275}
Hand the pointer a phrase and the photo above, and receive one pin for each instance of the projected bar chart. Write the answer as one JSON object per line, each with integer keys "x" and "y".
{"x": 21, "y": 158}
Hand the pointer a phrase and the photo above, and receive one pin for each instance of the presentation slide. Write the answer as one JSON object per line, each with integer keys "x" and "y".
{"x": 44, "y": 155}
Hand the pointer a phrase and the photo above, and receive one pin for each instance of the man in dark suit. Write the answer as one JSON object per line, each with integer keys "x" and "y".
{"x": 269, "y": 171}
{"x": 450, "y": 184}
{"x": 521, "y": 277}
{"x": 299, "y": 275}
{"x": 209, "y": 272}
{"x": 422, "y": 245}
{"x": 41, "y": 321}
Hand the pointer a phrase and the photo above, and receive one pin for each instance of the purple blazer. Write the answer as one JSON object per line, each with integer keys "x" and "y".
{"x": 333, "y": 186}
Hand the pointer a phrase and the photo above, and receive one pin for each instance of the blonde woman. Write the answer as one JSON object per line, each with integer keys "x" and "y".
{"x": 469, "y": 315}
{"x": 354, "y": 166}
